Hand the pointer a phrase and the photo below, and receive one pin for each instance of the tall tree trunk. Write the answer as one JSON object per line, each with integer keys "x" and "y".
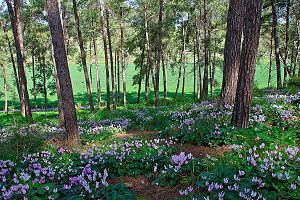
{"x": 116, "y": 82}
{"x": 45, "y": 82}
{"x": 21, "y": 98}
{"x": 179, "y": 76}
{"x": 206, "y": 51}
{"x": 33, "y": 79}
{"x": 106, "y": 56}
{"x": 149, "y": 57}
{"x": 83, "y": 58}
{"x": 240, "y": 115}
{"x": 123, "y": 58}
{"x": 118, "y": 76}
{"x": 59, "y": 98}
{"x": 97, "y": 71}
{"x": 212, "y": 76}
{"x": 290, "y": 69}
{"x": 296, "y": 58}
{"x": 275, "y": 34}
{"x": 91, "y": 66}
{"x": 159, "y": 50}
{"x": 287, "y": 19}
{"x": 194, "y": 69}
{"x": 199, "y": 85}
{"x": 18, "y": 36}
{"x": 56, "y": 30}
{"x": 140, "y": 78}
{"x": 270, "y": 67}
{"x": 5, "y": 89}
{"x": 111, "y": 61}
{"x": 147, "y": 79}
{"x": 235, "y": 20}
{"x": 184, "y": 30}
{"x": 164, "y": 74}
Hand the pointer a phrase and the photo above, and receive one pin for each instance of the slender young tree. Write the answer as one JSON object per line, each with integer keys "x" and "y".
{"x": 287, "y": 20}
{"x": 161, "y": 2}
{"x": 276, "y": 43}
{"x": 206, "y": 51}
{"x": 140, "y": 75}
{"x": 97, "y": 71}
{"x": 184, "y": 30}
{"x": 83, "y": 58}
{"x": 33, "y": 79}
{"x": 91, "y": 66}
{"x": 149, "y": 57}
{"x": 5, "y": 89}
{"x": 111, "y": 60}
{"x": 58, "y": 41}
{"x": 164, "y": 74}
{"x": 194, "y": 68}
{"x": 240, "y": 115}
{"x": 212, "y": 73}
{"x": 21, "y": 98}
{"x": 106, "y": 56}
{"x": 179, "y": 76}
{"x": 199, "y": 85}
{"x": 123, "y": 57}
{"x": 270, "y": 67}
{"x": 15, "y": 18}
{"x": 232, "y": 53}
{"x": 43, "y": 60}
{"x": 118, "y": 60}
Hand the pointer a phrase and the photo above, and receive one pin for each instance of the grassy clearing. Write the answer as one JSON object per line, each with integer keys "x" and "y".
{"x": 80, "y": 95}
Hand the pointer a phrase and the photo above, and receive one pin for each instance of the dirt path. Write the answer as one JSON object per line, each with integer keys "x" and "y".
{"x": 142, "y": 186}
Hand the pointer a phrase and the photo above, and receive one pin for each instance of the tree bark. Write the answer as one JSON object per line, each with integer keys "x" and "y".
{"x": 5, "y": 90}
{"x": 118, "y": 58}
{"x": 275, "y": 34}
{"x": 56, "y": 30}
{"x": 97, "y": 72}
{"x": 240, "y": 115}
{"x": 159, "y": 50}
{"x": 33, "y": 79}
{"x": 149, "y": 58}
{"x": 270, "y": 67}
{"x": 21, "y": 98}
{"x": 232, "y": 51}
{"x": 184, "y": 30}
{"x": 287, "y": 19}
{"x": 296, "y": 58}
{"x": 147, "y": 79}
{"x": 123, "y": 58}
{"x": 199, "y": 85}
{"x": 206, "y": 51}
{"x": 45, "y": 82}
{"x": 194, "y": 69}
{"x": 91, "y": 66}
{"x": 164, "y": 75}
{"x": 116, "y": 82}
{"x": 179, "y": 76}
{"x": 18, "y": 36}
{"x": 106, "y": 57}
{"x": 111, "y": 61}
{"x": 212, "y": 72}
{"x": 83, "y": 58}
{"x": 140, "y": 78}
{"x": 59, "y": 98}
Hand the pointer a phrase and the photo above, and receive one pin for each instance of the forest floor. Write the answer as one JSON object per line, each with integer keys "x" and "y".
{"x": 142, "y": 186}
{"x": 182, "y": 151}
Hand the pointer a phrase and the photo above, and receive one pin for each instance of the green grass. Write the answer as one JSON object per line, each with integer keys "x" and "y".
{"x": 79, "y": 87}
